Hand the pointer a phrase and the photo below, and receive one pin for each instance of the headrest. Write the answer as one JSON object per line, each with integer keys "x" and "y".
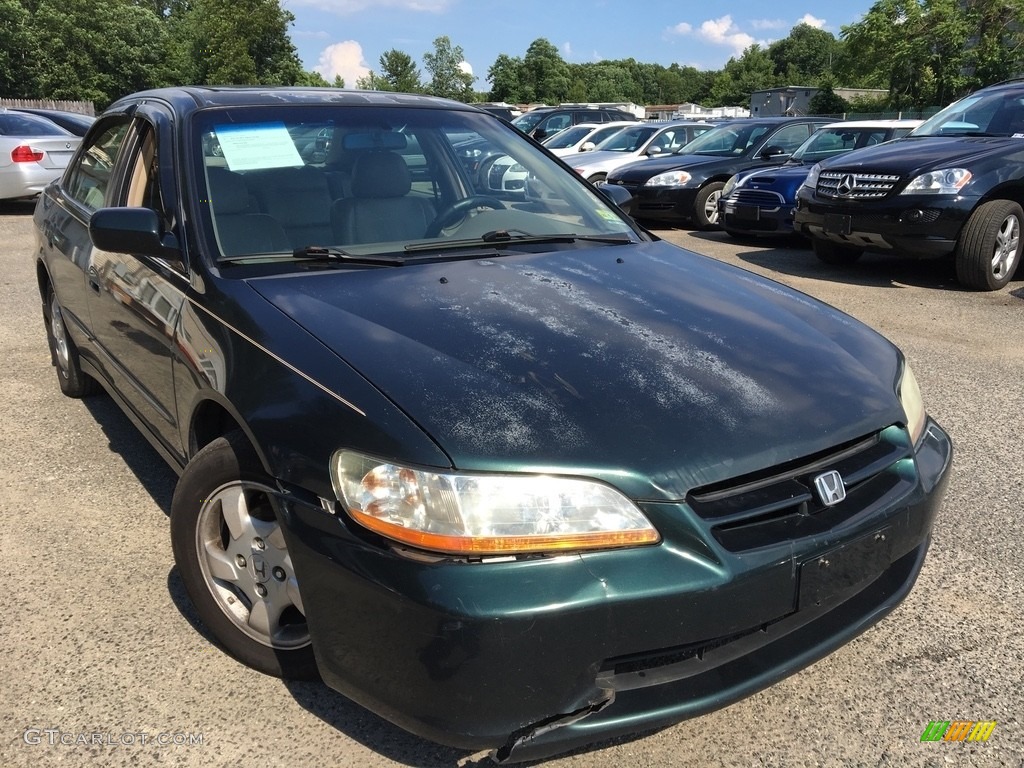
{"x": 228, "y": 192}
{"x": 380, "y": 174}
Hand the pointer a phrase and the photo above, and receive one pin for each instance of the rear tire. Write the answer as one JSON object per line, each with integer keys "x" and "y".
{"x": 233, "y": 560}
{"x": 705, "y": 207}
{"x": 988, "y": 252}
{"x": 72, "y": 380}
{"x": 835, "y": 254}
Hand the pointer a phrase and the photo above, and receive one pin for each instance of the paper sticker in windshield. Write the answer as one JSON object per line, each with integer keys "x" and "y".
{"x": 259, "y": 145}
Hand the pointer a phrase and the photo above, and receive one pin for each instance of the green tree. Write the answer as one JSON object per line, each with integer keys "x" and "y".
{"x": 545, "y": 74}
{"x": 18, "y": 51}
{"x": 99, "y": 51}
{"x": 753, "y": 71}
{"x": 505, "y": 77}
{"x": 805, "y": 56}
{"x": 997, "y": 51}
{"x": 239, "y": 42}
{"x": 400, "y": 72}
{"x": 827, "y": 102}
{"x": 447, "y": 78}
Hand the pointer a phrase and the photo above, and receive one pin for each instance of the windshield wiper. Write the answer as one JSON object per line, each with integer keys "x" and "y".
{"x": 333, "y": 253}
{"x": 499, "y": 237}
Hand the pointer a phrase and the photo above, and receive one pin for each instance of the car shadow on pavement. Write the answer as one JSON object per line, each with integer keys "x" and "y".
{"x": 17, "y": 207}
{"x": 141, "y": 458}
{"x": 878, "y": 270}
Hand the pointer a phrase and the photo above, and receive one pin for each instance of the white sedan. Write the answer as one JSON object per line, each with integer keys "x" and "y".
{"x": 583, "y": 137}
{"x": 636, "y": 142}
{"x": 33, "y": 152}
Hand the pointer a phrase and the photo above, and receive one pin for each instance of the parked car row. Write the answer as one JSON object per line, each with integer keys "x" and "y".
{"x": 502, "y": 467}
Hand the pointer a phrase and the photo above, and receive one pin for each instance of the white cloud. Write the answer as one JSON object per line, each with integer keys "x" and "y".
{"x": 768, "y": 23}
{"x": 723, "y": 32}
{"x": 811, "y": 21}
{"x": 682, "y": 28}
{"x": 567, "y": 50}
{"x": 345, "y": 59}
{"x": 466, "y": 67}
{"x": 344, "y": 7}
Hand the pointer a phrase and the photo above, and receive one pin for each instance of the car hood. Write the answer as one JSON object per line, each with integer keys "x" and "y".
{"x": 647, "y": 366}
{"x": 779, "y": 174}
{"x": 911, "y": 155}
{"x": 643, "y": 170}
{"x": 597, "y": 160}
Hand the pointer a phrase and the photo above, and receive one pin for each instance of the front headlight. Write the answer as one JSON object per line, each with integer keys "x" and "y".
{"x": 482, "y": 514}
{"x": 669, "y": 179}
{"x": 811, "y": 182}
{"x": 913, "y": 405}
{"x": 948, "y": 181}
{"x": 730, "y": 185}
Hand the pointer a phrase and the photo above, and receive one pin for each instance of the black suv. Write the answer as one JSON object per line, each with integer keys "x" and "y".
{"x": 547, "y": 121}
{"x": 954, "y": 187}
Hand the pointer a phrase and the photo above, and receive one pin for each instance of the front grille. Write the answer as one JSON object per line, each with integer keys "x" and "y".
{"x": 758, "y": 197}
{"x": 861, "y": 186}
{"x": 780, "y": 504}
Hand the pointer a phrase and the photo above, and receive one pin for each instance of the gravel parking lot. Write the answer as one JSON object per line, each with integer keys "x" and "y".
{"x": 104, "y": 662}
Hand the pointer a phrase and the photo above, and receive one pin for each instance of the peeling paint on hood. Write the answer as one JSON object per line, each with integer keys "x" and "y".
{"x": 646, "y": 365}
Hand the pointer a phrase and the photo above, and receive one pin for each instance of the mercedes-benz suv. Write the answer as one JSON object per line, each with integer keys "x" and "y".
{"x": 952, "y": 188}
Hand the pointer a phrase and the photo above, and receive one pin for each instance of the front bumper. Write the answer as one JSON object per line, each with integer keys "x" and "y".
{"x": 660, "y": 203}
{"x": 774, "y": 216}
{"x": 912, "y": 225}
{"x": 536, "y": 656}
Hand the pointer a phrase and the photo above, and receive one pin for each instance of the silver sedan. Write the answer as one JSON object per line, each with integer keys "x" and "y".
{"x": 33, "y": 152}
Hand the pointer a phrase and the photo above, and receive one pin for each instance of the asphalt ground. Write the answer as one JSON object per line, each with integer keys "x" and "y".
{"x": 104, "y": 663}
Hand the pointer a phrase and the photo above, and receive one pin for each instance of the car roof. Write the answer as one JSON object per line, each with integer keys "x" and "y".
{"x": 190, "y": 98}
{"x": 874, "y": 124}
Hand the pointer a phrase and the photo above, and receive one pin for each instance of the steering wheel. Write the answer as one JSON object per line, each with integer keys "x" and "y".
{"x": 452, "y": 212}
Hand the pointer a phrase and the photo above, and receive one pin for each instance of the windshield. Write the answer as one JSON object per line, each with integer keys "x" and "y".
{"x": 826, "y": 142}
{"x": 726, "y": 140}
{"x": 345, "y": 183}
{"x": 628, "y": 139}
{"x": 568, "y": 137}
{"x": 998, "y": 113}
{"x": 21, "y": 124}
{"x": 528, "y": 122}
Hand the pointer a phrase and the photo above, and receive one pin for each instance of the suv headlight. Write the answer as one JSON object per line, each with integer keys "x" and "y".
{"x": 811, "y": 182}
{"x": 913, "y": 406}
{"x": 669, "y": 179}
{"x": 485, "y": 513}
{"x": 948, "y": 181}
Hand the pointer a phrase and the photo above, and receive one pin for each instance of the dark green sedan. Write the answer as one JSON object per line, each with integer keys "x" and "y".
{"x": 503, "y": 468}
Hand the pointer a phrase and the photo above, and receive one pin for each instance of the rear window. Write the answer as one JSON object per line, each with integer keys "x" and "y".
{"x": 20, "y": 124}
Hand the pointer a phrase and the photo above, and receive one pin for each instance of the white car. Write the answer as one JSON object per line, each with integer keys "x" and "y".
{"x": 33, "y": 152}
{"x": 636, "y": 142}
{"x": 583, "y": 137}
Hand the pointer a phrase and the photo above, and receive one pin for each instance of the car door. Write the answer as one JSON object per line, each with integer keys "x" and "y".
{"x": 136, "y": 299}
{"x": 63, "y": 215}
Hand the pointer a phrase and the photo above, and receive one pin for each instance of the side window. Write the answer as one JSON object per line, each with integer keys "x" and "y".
{"x": 789, "y": 138}
{"x": 89, "y": 178}
{"x": 555, "y": 123}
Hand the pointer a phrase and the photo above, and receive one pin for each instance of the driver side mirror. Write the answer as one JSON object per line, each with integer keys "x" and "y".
{"x": 588, "y": 146}
{"x": 773, "y": 150}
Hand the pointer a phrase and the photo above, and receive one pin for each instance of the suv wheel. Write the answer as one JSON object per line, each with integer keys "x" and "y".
{"x": 705, "y": 207}
{"x": 835, "y": 254}
{"x": 988, "y": 251}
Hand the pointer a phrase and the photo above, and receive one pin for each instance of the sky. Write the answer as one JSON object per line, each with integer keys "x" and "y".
{"x": 347, "y": 37}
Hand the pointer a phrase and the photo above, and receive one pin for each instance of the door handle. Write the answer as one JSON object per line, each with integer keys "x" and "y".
{"x": 94, "y": 278}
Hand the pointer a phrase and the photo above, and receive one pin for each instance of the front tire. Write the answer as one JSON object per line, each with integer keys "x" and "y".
{"x": 232, "y": 557}
{"x": 988, "y": 251}
{"x": 72, "y": 380}
{"x": 705, "y": 206}
{"x": 835, "y": 254}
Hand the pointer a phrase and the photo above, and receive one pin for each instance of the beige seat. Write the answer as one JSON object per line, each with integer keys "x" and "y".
{"x": 240, "y": 228}
{"x": 381, "y": 208}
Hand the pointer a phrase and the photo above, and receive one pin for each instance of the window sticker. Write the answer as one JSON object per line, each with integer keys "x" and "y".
{"x": 258, "y": 145}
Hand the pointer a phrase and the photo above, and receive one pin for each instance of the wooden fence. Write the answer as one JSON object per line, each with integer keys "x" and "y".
{"x": 81, "y": 107}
